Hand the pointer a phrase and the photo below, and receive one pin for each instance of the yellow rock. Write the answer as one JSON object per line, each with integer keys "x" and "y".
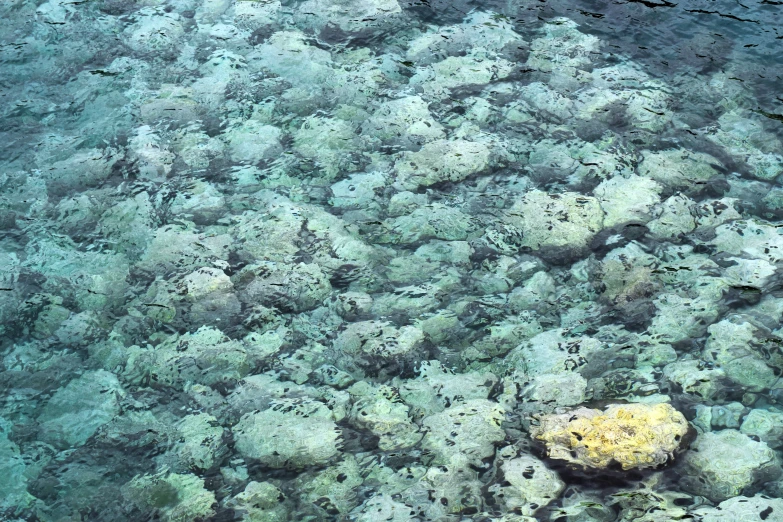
{"x": 632, "y": 435}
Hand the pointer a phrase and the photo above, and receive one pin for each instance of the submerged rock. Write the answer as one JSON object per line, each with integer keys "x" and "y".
{"x": 528, "y": 485}
{"x": 76, "y": 411}
{"x": 177, "y": 497}
{"x": 440, "y": 161}
{"x": 556, "y": 224}
{"x": 336, "y": 259}
{"x": 631, "y": 436}
{"x": 464, "y": 433}
{"x": 291, "y": 434}
{"x": 742, "y": 508}
{"x": 727, "y": 463}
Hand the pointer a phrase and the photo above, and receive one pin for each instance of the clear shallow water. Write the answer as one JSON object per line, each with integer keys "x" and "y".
{"x": 370, "y": 261}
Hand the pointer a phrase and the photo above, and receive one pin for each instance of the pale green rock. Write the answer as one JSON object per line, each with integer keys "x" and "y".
{"x": 260, "y": 501}
{"x": 329, "y": 143}
{"x": 434, "y": 221}
{"x": 335, "y": 488}
{"x": 458, "y": 483}
{"x": 451, "y": 252}
{"x": 251, "y": 15}
{"x": 767, "y": 425}
{"x": 383, "y": 508}
{"x": 358, "y": 191}
{"x": 378, "y": 339}
{"x": 79, "y": 409}
{"x": 381, "y": 411}
{"x": 558, "y": 352}
{"x": 130, "y": 224}
{"x": 713, "y": 213}
{"x": 678, "y": 168}
{"x": 674, "y": 218}
{"x": 487, "y": 30}
{"x": 287, "y": 55}
{"x": 530, "y": 485}
{"x": 406, "y": 122}
{"x": 293, "y": 433}
{"x": 151, "y": 153}
{"x": 96, "y": 280}
{"x": 299, "y": 288}
{"x": 504, "y": 335}
{"x": 13, "y": 481}
{"x": 536, "y": 294}
{"x": 752, "y": 238}
{"x": 177, "y": 497}
{"x": 200, "y": 202}
{"x": 349, "y": 15}
{"x": 627, "y": 200}
{"x": 753, "y": 509}
{"x": 554, "y": 390}
{"x": 697, "y": 378}
{"x": 562, "y": 47}
{"x": 463, "y": 433}
{"x": 441, "y": 160}
{"x": 180, "y": 359}
{"x": 730, "y": 345}
{"x": 440, "y": 327}
{"x": 201, "y": 441}
{"x": 725, "y": 464}
{"x": 436, "y": 388}
{"x": 546, "y": 101}
{"x": 651, "y": 503}
{"x": 744, "y": 137}
{"x": 727, "y": 415}
{"x": 405, "y": 202}
{"x": 351, "y": 305}
{"x": 478, "y": 67}
{"x": 566, "y": 221}
{"x": 266, "y": 344}
{"x": 252, "y": 141}
{"x": 205, "y": 281}
{"x": 648, "y": 109}
{"x": 181, "y": 247}
{"x": 655, "y": 353}
{"x": 680, "y": 318}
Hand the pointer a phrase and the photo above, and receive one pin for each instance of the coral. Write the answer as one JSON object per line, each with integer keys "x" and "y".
{"x": 632, "y": 436}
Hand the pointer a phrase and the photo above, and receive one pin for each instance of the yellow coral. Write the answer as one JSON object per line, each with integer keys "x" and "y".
{"x": 632, "y": 435}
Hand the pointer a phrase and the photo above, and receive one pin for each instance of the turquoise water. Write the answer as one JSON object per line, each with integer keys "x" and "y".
{"x": 391, "y": 260}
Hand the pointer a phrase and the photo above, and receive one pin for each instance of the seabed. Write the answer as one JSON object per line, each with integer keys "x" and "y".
{"x": 386, "y": 260}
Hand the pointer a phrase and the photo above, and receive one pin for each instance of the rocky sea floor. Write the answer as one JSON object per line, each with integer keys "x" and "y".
{"x": 318, "y": 260}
